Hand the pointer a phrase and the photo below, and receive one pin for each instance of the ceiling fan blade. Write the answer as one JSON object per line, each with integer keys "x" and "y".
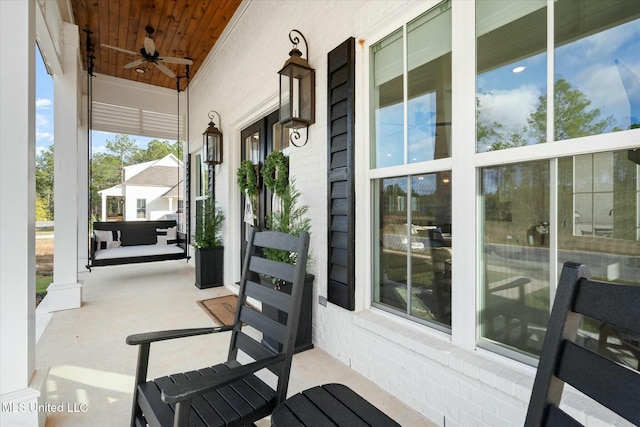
{"x": 149, "y": 46}
{"x": 134, "y": 63}
{"x": 165, "y": 70}
{"x": 170, "y": 60}
{"x": 120, "y": 49}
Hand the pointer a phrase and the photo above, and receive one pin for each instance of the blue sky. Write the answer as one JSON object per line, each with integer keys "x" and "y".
{"x": 44, "y": 115}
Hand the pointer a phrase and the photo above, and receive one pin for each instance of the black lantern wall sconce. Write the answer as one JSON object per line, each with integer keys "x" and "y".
{"x": 212, "y": 141}
{"x": 297, "y": 91}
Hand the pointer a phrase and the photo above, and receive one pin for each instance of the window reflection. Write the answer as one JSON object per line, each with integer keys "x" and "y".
{"x": 429, "y": 86}
{"x": 415, "y": 246}
{"x": 597, "y": 73}
{"x": 427, "y": 125}
{"x": 515, "y": 296}
{"x": 599, "y": 225}
{"x": 387, "y": 98}
{"x": 599, "y": 214}
{"x": 511, "y": 73}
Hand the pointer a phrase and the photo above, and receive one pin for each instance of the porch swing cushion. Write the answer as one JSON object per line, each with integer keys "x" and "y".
{"x": 126, "y": 242}
{"x": 138, "y": 251}
{"x": 107, "y": 239}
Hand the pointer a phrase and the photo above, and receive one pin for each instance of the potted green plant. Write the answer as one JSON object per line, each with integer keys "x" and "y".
{"x": 289, "y": 217}
{"x": 207, "y": 242}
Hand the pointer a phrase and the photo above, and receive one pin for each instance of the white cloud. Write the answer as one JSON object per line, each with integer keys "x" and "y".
{"x": 602, "y": 85}
{"x": 43, "y": 137}
{"x": 43, "y": 103}
{"x": 43, "y": 120}
{"x": 511, "y": 108}
{"x": 602, "y": 44}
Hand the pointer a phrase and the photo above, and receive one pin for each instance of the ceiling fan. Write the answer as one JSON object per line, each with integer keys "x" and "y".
{"x": 149, "y": 54}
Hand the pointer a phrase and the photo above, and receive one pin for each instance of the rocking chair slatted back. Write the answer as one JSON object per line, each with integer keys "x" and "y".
{"x": 255, "y": 265}
{"x": 564, "y": 360}
{"x": 230, "y": 394}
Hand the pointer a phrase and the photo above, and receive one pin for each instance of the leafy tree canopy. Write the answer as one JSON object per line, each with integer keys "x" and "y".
{"x": 44, "y": 184}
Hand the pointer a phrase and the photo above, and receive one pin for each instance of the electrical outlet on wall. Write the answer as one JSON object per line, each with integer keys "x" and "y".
{"x": 322, "y": 300}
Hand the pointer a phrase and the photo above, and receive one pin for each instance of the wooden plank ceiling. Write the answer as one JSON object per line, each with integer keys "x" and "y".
{"x": 183, "y": 29}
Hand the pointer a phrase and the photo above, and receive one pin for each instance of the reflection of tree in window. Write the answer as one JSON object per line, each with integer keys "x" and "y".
{"x": 574, "y": 116}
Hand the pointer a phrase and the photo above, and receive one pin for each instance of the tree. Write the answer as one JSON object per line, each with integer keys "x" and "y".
{"x": 125, "y": 148}
{"x": 573, "y": 118}
{"x": 515, "y": 139}
{"x": 105, "y": 173}
{"x": 156, "y": 149}
{"x": 487, "y": 133}
{"x": 107, "y": 169}
{"x": 42, "y": 213}
{"x": 44, "y": 183}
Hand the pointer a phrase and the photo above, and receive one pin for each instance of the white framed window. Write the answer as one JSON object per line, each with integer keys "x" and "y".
{"x": 141, "y": 208}
{"x": 538, "y": 87}
{"x": 543, "y": 149}
{"x": 410, "y": 94}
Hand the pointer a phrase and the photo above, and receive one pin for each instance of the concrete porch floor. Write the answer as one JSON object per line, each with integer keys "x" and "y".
{"x": 91, "y": 368}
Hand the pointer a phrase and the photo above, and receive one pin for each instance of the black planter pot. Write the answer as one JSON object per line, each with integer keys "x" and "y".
{"x": 303, "y": 336}
{"x": 209, "y": 267}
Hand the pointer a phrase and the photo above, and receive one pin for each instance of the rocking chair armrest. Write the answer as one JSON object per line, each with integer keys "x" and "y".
{"x": 516, "y": 283}
{"x": 178, "y": 392}
{"x": 149, "y": 337}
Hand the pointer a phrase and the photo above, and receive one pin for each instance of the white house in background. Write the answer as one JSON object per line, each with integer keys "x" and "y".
{"x": 150, "y": 191}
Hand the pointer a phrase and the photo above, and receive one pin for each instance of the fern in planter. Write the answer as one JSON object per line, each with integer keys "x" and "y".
{"x": 207, "y": 240}
{"x": 208, "y": 227}
{"x": 290, "y": 219}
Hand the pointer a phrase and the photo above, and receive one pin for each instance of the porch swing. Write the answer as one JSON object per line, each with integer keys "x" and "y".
{"x": 127, "y": 242}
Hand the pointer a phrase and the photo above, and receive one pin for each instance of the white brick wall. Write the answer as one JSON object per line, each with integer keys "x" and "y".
{"x": 446, "y": 383}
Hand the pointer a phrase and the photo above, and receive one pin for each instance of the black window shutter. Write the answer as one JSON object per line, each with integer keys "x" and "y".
{"x": 341, "y": 193}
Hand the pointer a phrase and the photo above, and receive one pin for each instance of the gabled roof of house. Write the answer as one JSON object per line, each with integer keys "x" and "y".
{"x": 175, "y": 192}
{"x": 156, "y": 175}
{"x": 164, "y": 172}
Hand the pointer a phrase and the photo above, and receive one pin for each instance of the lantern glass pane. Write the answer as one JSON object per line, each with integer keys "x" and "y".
{"x": 285, "y": 93}
{"x": 295, "y": 98}
{"x": 305, "y": 97}
{"x": 216, "y": 151}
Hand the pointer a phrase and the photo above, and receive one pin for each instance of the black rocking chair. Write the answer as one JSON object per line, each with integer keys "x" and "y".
{"x": 565, "y": 361}
{"x": 230, "y": 394}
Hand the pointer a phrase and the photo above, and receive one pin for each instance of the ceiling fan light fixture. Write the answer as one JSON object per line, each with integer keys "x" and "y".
{"x": 149, "y": 54}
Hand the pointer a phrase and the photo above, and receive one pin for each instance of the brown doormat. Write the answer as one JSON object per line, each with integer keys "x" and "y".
{"x": 222, "y": 310}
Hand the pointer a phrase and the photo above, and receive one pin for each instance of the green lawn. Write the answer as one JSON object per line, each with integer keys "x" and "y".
{"x": 42, "y": 282}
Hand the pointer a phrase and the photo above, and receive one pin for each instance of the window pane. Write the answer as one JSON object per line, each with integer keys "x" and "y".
{"x": 511, "y": 74}
{"x": 197, "y": 177}
{"x": 393, "y": 244}
{"x": 515, "y": 215}
{"x": 387, "y": 102}
{"x": 431, "y": 247}
{"x": 414, "y": 276}
{"x": 429, "y": 85}
{"x": 608, "y": 237}
{"x": 606, "y": 223}
{"x": 141, "y": 208}
{"x": 597, "y": 73}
